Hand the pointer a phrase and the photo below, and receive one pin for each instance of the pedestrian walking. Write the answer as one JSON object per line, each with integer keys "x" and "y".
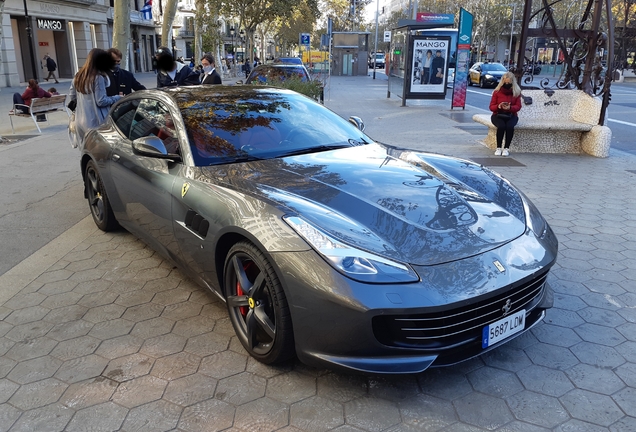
{"x": 246, "y": 68}
{"x": 505, "y": 104}
{"x": 209, "y": 75}
{"x": 32, "y": 91}
{"x": 122, "y": 82}
{"x": 173, "y": 73}
{"x": 51, "y": 66}
{"x": 89, "y": 91}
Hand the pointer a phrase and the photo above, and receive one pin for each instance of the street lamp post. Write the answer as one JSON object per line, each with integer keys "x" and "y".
{"x": 242, "y": 36}
{"x": 30, "y": 40}
{"x": 375, "y": 47}
{"x": 232, "y": 31}
{"x": 512, "y": 26}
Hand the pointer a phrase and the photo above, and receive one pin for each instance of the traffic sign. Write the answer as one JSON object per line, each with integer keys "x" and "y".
{"x": 305, "y": 39}
{"x": 387, "y": 36}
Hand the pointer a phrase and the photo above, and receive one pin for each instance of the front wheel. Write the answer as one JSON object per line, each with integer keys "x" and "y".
{"x": 98, "y": 200}
{"x": 482, "y": 83}
{"x": 257, "y": 305}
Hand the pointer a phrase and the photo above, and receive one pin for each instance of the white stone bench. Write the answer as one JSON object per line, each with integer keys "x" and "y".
{"x": 39, "y": 106}
{"x": 564, "y": 122}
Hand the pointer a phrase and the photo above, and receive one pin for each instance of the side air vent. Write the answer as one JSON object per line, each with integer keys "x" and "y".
{"x": 197, "y": 223}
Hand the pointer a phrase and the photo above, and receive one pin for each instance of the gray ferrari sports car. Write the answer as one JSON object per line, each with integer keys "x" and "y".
{"x": 324, "y": 244}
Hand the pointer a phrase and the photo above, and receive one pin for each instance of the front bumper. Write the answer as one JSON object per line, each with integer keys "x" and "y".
{"x": 343, "y": 324}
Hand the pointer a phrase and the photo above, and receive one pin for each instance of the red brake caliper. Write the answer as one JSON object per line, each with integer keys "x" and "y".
{"x": 240, "y": 292}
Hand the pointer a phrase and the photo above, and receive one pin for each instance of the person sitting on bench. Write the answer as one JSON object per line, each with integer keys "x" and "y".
{"x": 32, "y": 91}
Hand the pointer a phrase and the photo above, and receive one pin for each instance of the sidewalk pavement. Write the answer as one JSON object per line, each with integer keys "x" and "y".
{"x": 100, "y": 333}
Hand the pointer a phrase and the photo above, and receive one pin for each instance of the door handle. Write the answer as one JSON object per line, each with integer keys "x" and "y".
{"x": 115, "y": 157}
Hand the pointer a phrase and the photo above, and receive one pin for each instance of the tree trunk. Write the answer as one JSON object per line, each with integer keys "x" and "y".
{"x": 169, "y": 12}
{"x": 121, "y": 30}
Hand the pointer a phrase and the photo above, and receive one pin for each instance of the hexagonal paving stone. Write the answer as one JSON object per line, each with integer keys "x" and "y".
{"x": 139, "y": 391}
{"x": 61, "y": 300}
{"x": 264, "y": 414}
{"x": 556, "y": 335}
{"x": 8, "y": 416}
{"x": 626, "y": 399}
{"x": 427, "y": 412}
{"x": 626, "y": 424}
{"x": 57, "y": 287}
{"x": 207, "y": 416}
{"x": 34, "y": 370}
{"x": 372, "y": 414}
{"x": 207, "y": 344}
{"x": 591, "y": 407}
{"x": 341, "y": 387}
{"x": 152, "y": 327}
{"x": 31, "y": 348}
{"x": 6, "y": 365}
{"x": 81, "y": 368}
{"x": 182, "y": 311}
{"x": 107, "y": 416}
{"x": 38, "y": 394}
{"x": 88, "y": 393}
{"x": 508, "y": 358}
{"x": 291, "y": 387}
{"x": 494, "y": 382}
{"x": 7, "y": 388}
{"x": 176, "y": 366}
{"x": 537, "y": 409}
{"x": 575, "y": 425}
{"x": 134, "y": 298}
{"x": 598, "y": 380}
{"x": 27, "y": 315}
{"x": 242, "y": 388}
{"x": 190, "y": 389}
{"x": 545, "y": 381}
{"x": 484, "y": 411}
{"x": 51, "y": 417}
{"x": 155, "y": 416}
{"x": 316, "y": 414}
{"x": 128, "y": 367}
{"x": 70, "y": 330}
{"x": 444, "y": 384}
{"x": 143, "y": 312}
{"x": 601, "y": 317}
{"x": 27, "y": 331}
{"x": 119, "y": 347}
{"x": 163, "y": 345}
{"x": 223, "y": 364}
{"x": 552, "y": 357}
{"x": 65, "y": 314}
{"x": 394, "y": 387}
{"x": 194, "y": 326}
{"x": 258, "y": 368}
{"x": 73, "y": 348}
{"x": 111, "y": 329}
{"x": 597, "y": 355}
{"x": 104, "y": 313}
{"x": 628, "y": 330}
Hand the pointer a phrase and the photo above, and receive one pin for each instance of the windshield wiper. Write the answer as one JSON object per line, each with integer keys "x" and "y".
{"x": 314, "y": 149}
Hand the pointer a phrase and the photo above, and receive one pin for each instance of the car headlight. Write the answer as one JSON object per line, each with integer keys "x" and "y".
{"x": 352, "y": 262}
{"x": 535, "y": 221}
{"x": 488, "y": 76}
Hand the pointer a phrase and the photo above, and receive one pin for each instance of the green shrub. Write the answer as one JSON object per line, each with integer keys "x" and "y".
{"x": 312, "y": 88}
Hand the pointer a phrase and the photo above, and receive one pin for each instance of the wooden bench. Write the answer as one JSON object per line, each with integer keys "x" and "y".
{"x": 39, "y": 106}
{"x": 557, "y": 121}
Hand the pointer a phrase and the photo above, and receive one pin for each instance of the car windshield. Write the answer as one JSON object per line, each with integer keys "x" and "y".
{"x": 262, "y": 123}
{"x": 493, "y": 67}
{"x": 265, "y": 74}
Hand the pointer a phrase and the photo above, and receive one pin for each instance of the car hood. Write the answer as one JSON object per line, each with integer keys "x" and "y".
{"x": 497, "y": 74}
{"x": 419, "y": 208}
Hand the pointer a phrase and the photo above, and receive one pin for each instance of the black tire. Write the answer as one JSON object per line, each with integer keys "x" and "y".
{"x": 257, "y": 305}
{"x": 98, "y": 200}
{"x": 482, "y": 84}
{"x": 470, "y": 81}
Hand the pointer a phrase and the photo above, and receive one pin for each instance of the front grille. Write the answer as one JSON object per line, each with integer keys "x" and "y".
{"x": 456, "y": 326}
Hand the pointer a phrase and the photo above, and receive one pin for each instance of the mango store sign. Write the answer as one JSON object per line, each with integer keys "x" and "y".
{"x": 50, "y": 24}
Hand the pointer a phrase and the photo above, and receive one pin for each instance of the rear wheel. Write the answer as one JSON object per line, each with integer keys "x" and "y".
{"x": 482, "y": 83}
{"x": 257, "y": 305}
{"x": 98, "y": 200}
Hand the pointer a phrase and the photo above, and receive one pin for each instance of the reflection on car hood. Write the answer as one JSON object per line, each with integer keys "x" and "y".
{"x": 498, "y": 74}
{"x": 422, "y": 209}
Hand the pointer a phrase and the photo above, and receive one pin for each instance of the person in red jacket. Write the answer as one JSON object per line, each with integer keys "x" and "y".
{"x": 31, "y": 92}
{"x": 505, "y": 104}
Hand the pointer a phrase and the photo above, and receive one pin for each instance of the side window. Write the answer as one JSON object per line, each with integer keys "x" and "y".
{"x": 123, "y": 116}
{"x": 153, "y": 118}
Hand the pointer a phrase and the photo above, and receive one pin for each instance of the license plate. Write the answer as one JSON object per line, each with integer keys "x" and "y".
{"x": 505, "y": 327}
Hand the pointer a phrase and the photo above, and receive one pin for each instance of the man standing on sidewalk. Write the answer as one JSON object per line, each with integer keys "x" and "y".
{"x": 50, "y": 66}
{"x": 121, "y": 81}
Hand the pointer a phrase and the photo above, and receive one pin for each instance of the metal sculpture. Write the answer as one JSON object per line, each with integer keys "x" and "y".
{"x": 581, "y": 47}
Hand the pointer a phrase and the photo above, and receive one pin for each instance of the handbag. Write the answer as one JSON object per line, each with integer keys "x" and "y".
{"x": 504, "y": 116}
{"x": 527, "y": 100}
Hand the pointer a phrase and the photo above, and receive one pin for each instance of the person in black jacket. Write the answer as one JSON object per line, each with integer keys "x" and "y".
{"x": 173, "y": 73}
{"x": 209, "y": 75}
{"x": 122, "y": 82}
{"x": 50, "y": 66}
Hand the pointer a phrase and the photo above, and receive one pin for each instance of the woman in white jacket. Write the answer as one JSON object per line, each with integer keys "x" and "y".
{"x": 89, "y": 91}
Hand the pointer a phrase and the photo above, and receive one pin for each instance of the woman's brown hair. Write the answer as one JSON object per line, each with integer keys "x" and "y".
{"x": 98, "y": 62}
{"x": 33, "y": 85}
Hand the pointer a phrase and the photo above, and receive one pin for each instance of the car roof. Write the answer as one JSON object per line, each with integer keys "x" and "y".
{"x": 290, "y": 60}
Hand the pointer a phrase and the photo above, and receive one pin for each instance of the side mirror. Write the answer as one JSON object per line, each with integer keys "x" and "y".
{"x": 152, "y": 146}
{"x": 357, "y": 122}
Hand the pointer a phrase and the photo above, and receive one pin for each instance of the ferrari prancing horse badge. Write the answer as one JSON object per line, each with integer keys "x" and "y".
{"x": 184, "y": 189}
